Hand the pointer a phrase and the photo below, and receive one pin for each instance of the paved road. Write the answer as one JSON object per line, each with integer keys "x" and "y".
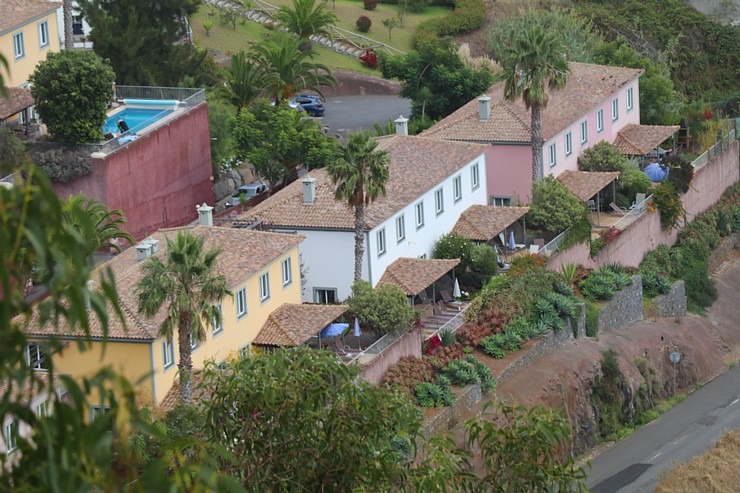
{"x": 635, "y": 464}
{"x": 355, "y": 112}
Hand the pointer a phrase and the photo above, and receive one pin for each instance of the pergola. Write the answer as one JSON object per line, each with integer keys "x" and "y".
{"x": 414, "y": 275}
{"x": 639, "y": 140}
{"x": 484, "y": 222}
{"x": 587, "y": 184}
{"x": 19, "y": 100}
{"x": 293, "y": 324}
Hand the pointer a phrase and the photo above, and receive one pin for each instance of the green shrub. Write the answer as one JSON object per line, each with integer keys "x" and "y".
{"x": 653, "y": 284}
{"x": 512, "y": 340}
{"x": 592, "y": 319}
{"x": 487, "y": 382}
{"x": 631, "y": 182}
{"x": 447, "y": 337}
{"x": 493, "y": 346}
{"x": 668, "y": 202}
{"x": 432, "y": 395}
{"x": 461, "y": 372}
{"x": 602, "y": 283}
{"x": 602, "y": 157}
{"x": 580, "y": 232}
{"x": 608, "y": 395}
{"x": 467, "y": 16}
{"x": 363, "y": 23}
{"x": 553, "y": 207}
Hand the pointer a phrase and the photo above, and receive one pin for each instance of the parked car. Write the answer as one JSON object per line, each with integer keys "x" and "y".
{"x": 247, "y": 191}
{"x": 313, "y": 105}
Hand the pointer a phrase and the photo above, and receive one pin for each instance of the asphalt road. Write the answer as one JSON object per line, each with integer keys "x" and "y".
{"x": 351, "y": 113}
{"x": 635, "y": 464}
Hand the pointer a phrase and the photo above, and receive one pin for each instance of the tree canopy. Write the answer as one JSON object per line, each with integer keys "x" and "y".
{"x": 72, "y": 90}
{"x": 602, "y": 157}
{"x": 307, "y": 18}
{"x": 381, "y": 310}
{"x": 553, "y": 208}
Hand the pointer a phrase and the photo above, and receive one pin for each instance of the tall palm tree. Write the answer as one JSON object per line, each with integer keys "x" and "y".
{"x": 293, "y": 68}
{"x": 305, "y": 19}
{"x": 245, "y": 81}
{"x": 186, "y": 285}
{"x": 3, "y": 67}
{"x": 100, "y": 227}
{"x": 533, "y": 62}
{"x": 68, "y": 34}
{"x": 360, "y": 173}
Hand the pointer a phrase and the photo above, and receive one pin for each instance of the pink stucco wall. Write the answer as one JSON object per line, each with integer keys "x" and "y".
{"x": 646, "y": 234}
{"x": 408, "y": 345}
{"x": 158, "y": 179}
{"x": 509, "y": 171}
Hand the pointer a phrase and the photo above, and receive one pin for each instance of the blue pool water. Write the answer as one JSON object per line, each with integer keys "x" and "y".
{"x": 135, "y": 118}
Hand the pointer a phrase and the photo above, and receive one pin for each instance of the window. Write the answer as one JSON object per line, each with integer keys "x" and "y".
{"x": 439, "y": 201}
{"x": 42, "y": 409}
{"x": 500, "y": 201}
{"x": 10, "y": 434}
{"x": 400, "y": 228}
{"x": 18, "y": 49}
{"x": 241, "y": 303}
{"x": 98, "y": 411}
{"x": 287, "y": 271}
{"x": 245, "y": 350}
{"x": 168, "y": 352}
{"x": 630, "y": 99}
{"x": 600, "y": 120}
{"x": 457, "y": 188}
{"x": 77, "y": 28}
{"x": 36, "y": 357}
{"x": 615, "y": 109}
{"x": 420, "y": 215}
{"x": 474, "y": 176}
{"x": 43, "y": 34}
{"x": 568, "y": 144}
{"x": 584, "y": 132}
{"x": 326, "y": 296}
{"x": 265, "y": 286}
{"x": 218, "y": 321}
{"x": 194, "y": 341}
{"x": 381, "y": 241}
{"x": 552, "y": 155}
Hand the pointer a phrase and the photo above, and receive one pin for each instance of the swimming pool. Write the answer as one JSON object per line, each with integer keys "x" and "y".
{"x": 135, "y": 118}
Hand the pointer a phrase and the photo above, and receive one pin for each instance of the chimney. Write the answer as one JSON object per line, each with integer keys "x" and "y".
{"x": 205, "y": 214}
{"x": 143, "y": 250}
{"x": 154, "y": 244}
{"x": 484, "y": 108}
{"x": 402, "y": 125}
{"x": 309, "y": 190}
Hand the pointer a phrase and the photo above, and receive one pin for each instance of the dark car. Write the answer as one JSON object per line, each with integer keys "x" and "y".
{"x": 313, "y": 105}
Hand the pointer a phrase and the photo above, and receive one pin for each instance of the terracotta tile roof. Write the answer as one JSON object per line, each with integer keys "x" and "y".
{"x": 483, "y": 222}
{"x": 416, "y": 166}
{"x": 586, "y": 184}
{"x": 172, "y": 397}
{"x": 243, "y": 253}
{"x": 15, "y": 13}
{"x": 293, "y": 324}
{"x": 19, "y": 98}
{"x": 414, "y": 275}
{"x": 588, "y": 86}
{"x": 30, "y": 388}
{"x": 639, "y": 140}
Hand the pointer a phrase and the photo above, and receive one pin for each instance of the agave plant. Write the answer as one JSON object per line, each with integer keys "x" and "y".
{"x": 491, "y": 347}
{"x": 569, "y": 271}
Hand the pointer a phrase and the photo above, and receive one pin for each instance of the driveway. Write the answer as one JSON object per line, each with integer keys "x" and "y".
{"x": 352, "y": 113}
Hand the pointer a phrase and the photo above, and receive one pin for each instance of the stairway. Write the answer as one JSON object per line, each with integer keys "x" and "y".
{"x": 434, "y": 322}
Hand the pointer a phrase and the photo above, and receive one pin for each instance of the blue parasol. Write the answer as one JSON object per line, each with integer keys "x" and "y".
{"x": 333, "y": 330}
{"x": 656, "y": 172}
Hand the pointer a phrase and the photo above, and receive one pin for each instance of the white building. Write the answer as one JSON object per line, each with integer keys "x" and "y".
{"x": 431, "y": 182}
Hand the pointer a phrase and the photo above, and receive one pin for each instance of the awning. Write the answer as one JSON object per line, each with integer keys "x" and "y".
{"x": 19, "y": 98}
{"x": 638, "y": 140}
{"x": 586, "y": 184}
{"x": 293, "y": 324}
{"x": 484, "y": 222}
{"x": 414, "y": 275}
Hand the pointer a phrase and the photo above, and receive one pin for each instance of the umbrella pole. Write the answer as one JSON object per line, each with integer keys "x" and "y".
{"x": 598, "y": 207}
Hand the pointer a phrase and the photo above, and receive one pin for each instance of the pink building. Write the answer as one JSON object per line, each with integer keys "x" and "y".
{"x": 596, "y": 103}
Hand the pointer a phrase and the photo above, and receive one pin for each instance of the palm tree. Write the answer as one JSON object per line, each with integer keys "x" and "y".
{"x": 188, "y": 288}
{"x": 100, "y": 227}
{"x": 533, "y": 62}
{"x": 360, "y": 173}
{"x": 306, "y": 19}
{"x": 245, "y": 81}
{"x": 293, "y": 68}
{"x": 3, "y": 66}
{"x": 68, "y": 34}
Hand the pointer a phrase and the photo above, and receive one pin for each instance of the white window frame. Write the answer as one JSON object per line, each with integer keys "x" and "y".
{"x": 241, "y": 303}
{"x": 96, "y": 411}
{"x": 245, "y": 350}
{"x": 400, "y": 228}
{"x": 500, "y": 201}
{"x": 419, "y": 214}
{"x": 218, "y": 327}
{"x": 569, "y": 143}
{"x": 552, "y": 154}
{"x": 630, "y": 99}
{"x": 43, "y": 34}
{"x": 10, "y": 435}
{"x": 168, "y": 352}
{"x": 42, "y": 409}
{"x": 287, "y": 269}
{"x": 457, "y": 188}
{"x": 265, "y": 287}
{"x": 615, "y": 109}
{"x": 584, "y": 132}
{"x": 40, "y": 356}
{"x": 439, "y": 201}
{"x": 474, "y": 177}
{"x": 19, "y": 50}
{"x": 380, "y": 239}
{"x": 600, "y": 120}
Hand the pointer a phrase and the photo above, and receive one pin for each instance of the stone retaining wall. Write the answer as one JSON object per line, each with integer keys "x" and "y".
{"x": 445, "y": 418}
{"x": 672, "y": 304}
{"x": 625, "y": 307}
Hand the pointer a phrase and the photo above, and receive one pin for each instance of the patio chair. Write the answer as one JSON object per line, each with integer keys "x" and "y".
{"x": 591, "y": 205}
{"x": 534, "y": 249}
{"x": 446, "y": 296}
{"x": 618, "y": 210}
{"x": 337, "y": 347}
{"x": 639, "y": 199}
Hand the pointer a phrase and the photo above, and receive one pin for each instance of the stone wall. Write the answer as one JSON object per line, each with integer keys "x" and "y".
{"x": 356, "y": 84}
{"x": 672, "y": 304}
{"x": 439, "y": 420}
{"x": 408, "y": 344}
{"x": 625, "y": 307}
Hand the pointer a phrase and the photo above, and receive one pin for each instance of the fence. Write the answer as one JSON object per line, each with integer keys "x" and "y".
{"x": 8, "y": 179}
{"x": 452, "y": 324}
{"x": 377, "y": 347}
{"x": 633, "y": 215}
{"x": 554, "y": 244}
{"x": 720, "y": 146}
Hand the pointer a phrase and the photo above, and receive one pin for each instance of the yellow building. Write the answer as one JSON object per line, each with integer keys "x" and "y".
{"x": 261, "y": 269}
{"x": 28, "y": 31}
